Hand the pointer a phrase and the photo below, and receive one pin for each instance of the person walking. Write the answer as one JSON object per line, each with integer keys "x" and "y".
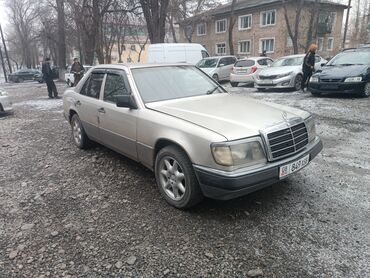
{"x": 308, "y": 66}
{"x": 78, "y": 71}
{"x": 48, "y": 77}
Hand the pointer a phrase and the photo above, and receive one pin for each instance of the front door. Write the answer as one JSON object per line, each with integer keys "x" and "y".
{"x": 117, "y": 124}
{"x": 87, "y": 104}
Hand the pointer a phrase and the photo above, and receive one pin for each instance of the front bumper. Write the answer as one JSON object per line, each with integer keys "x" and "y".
{"x": 223, "y": 185}
{"x": 337, "y": 87}
{"x": 240, "y": 78}
{"x": 6, "y": 104}
{"x": 284, "y": 82}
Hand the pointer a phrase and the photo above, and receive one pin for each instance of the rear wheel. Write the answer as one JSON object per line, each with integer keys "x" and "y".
{"x": 298, "y": 82}
{"x": 234, "y": 84}
{"x": 366, "y": 92}
{"x": 215, "y": 77}
{"x": 176, "y": 179}
{"x": 78, "y": 133}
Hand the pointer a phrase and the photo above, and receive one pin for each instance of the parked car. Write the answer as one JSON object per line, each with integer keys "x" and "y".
{"x": 23, "y": 75}
{"x": 245, "y": 69}
{"x": 5, "y": 102}
{"x": 285, "y": 72}
{"x": 219, "y": 67}
{"x": 70, "y": 78}
{"x": 176, "y": 53}
{"x": 347, "y": 73}
{"x": 197, "y": 138}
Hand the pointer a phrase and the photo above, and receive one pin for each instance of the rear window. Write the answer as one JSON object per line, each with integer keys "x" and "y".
{"x": 245, "y": 63}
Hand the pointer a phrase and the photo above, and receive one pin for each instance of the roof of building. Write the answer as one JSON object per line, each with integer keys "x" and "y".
{"x": 245, "y": 4}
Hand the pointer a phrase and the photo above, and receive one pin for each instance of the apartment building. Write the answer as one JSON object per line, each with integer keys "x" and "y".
{"x": 261, "y": 25}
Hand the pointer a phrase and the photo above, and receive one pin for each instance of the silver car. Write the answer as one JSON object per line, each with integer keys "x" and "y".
{"x": 286, "y": 72}
{"x": 5, "y": 102}
{"x": 197, "y": 138}
{"x": 218, "y": 67}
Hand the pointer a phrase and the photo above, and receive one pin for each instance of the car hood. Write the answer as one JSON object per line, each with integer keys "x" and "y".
{"x": 208, "y": 70}
{"x": 279, "y": 70}
{"x": 337, "y": 72}
{"x": 233, "y": 116}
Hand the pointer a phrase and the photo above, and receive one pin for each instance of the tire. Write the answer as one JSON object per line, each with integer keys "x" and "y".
{"x": 234, "y": 84}
{"x": 298, "y": 82}
{"x": 366, "y": 92}
{"x": 78, "y": 133}
{"x": 176, "y": 179}
{"x": 215, "y": 77}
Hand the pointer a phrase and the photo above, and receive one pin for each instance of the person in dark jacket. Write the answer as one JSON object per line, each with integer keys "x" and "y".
{"x": 308, "y": 66}
{"x": 48, "y": 77}
{"x": 78, "y": 71}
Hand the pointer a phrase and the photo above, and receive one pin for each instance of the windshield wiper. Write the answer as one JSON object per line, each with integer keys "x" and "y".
{"x": 210, "y": 92}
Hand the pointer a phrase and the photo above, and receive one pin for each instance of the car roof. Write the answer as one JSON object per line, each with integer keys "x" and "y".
{"x": 292, "y": 56}
{"x": 257, "y": 58}
{"x": 137, "y": 65}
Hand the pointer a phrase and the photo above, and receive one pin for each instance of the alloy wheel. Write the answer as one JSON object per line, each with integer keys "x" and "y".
{"x": 77, "y": 132}
{"x": 172, "y": 178}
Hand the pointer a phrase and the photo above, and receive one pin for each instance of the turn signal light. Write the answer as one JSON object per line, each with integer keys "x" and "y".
{"x": 254, "y": 69}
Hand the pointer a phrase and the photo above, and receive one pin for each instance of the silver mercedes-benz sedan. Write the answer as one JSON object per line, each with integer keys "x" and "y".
{"x": 197, "y": 138}
{"x": 5, "y": 102}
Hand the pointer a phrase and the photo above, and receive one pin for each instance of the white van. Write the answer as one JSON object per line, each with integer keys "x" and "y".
{"x": 190, "y": 53}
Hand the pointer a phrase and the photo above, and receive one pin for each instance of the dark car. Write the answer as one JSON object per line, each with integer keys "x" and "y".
{"x": 23, "y": 74}
{"x": 347, "y": 73}
{"x": 40, "y": 77}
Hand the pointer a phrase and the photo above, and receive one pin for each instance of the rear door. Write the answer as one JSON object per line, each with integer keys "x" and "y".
{"x": 117, "y": 124}
{"x": 87, "y": 103}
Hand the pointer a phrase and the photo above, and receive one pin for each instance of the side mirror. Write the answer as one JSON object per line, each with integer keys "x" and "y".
{"x": 221, "y": 65}
{"x": 323, "y": 64}
{"x": 126, "y": 101}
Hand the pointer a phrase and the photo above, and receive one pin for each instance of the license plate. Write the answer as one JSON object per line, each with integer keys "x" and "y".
{"x": 290, "y": 168}
{"x": 266, "y": 81}
{"x": 329, "y": 87}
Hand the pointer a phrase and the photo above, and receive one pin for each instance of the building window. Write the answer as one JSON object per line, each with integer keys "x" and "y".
{"x": 221, "y": 26}
{"x": 201, "y": 29}
{"x": 244, "y": 47}
{"x": 268, "y": 45}
{"x": 221, "y": 48}
{"x": 268, "y": 18}
{"x": 245, "y": 22}
{"x": 330, "y": 44}
{"x": 320, "y": 44}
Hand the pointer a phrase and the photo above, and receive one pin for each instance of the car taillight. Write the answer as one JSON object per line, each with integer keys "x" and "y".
{"x": 254, "y": 69}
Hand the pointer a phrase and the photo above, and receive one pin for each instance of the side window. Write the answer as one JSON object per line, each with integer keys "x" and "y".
{"x": 204, "y": 54}
{"x": 92, "y": 86}
{"x": 223, "y": 61}
{"x": 115, "y": 85}
{"x": 317, "y": 59}
{"x": 269, "y": 62}
{"x": 230, "y": 61}
{"x": 262, "y": 62}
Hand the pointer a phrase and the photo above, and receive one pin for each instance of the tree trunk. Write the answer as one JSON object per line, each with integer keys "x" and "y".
{"x": 62, "y": 48}
{"x": 232, "y": 21}
{"x": 294, "y": 35}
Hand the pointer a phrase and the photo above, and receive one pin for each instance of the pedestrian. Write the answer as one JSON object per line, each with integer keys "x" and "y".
{"x": 308, "y": 66}
{"x": 48, "y": 77}
{"x": 263, "y": 54}
{"x": 78, "y": 71}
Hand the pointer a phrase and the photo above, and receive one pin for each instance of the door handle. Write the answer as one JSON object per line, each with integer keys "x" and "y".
{"x": 78, "y": 103}
{"x": 101, "y": 110}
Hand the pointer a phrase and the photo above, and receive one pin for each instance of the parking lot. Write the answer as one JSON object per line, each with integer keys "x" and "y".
{"x": 66, "y": 212}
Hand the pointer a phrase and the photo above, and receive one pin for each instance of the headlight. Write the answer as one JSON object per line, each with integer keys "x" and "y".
{"x": 311, "y": 130}
{"x": 314, "y": 79}
{"x": 2, "y": 93}
{"x": 284, "y": 74}
{"x": 353, "y": 79}
{"x": 244, "y": 152}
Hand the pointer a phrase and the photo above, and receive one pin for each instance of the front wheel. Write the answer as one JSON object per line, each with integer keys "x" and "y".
{"x": 366, "y": 92}
{"x": 78, "y": 133}
{"x": 298, "y": 82}
{"x": 176, "y": 179}
{"x": 234, "y": 84}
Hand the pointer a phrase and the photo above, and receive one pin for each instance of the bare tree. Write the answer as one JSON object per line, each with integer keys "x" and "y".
{"x": 232, "y": 21}
{"x": 155, "y": 13}
{"x": 293, "y": 28}
{"x": 62, "y": 48}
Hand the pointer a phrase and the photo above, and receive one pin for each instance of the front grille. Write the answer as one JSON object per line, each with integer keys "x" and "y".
{"x": 287, "y": 141}
{"x": 327, "y": 80}
{"x": 263, "y": 77}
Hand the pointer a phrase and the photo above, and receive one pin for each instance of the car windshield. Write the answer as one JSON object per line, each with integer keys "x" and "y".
{"x": 173, "y": 82}
{"x": 351, "y": 58}
{"x": 244, "y": 63}
{"x": 207, "y": 63}
{"x": 286, "y": 62}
